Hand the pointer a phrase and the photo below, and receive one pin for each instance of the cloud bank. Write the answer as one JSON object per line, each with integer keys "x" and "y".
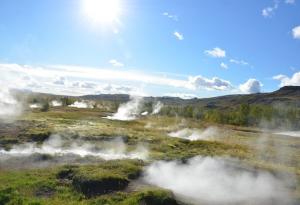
{"x": 80, "y": 80}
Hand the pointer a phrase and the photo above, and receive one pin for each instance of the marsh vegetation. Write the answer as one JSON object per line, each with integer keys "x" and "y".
{"x": 76, "y": 155}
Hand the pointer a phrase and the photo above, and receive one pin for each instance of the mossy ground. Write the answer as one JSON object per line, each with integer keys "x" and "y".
{"x": 44, "y": 186}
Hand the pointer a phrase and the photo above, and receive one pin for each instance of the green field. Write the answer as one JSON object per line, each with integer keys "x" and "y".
{"x": 50, "y": 179}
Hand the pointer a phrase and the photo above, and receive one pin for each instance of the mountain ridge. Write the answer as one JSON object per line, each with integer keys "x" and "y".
{"x": 286, "y": 94}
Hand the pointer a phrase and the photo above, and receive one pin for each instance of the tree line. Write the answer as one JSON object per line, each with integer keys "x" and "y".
{"x": 242, "y": 115}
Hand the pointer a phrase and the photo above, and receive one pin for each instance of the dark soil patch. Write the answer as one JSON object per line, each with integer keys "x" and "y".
{"x": 45, "y": 192}
{"x": 94, "y": 187}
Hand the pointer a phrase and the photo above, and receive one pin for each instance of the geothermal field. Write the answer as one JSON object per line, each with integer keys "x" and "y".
{"x": 93, "y": 152}
{"x": 149, "y": 102}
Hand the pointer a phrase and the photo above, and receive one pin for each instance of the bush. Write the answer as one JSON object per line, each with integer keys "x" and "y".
{"x": 45, "y": 107}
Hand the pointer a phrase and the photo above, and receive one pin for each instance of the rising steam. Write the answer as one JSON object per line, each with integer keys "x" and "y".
{"x": 35, "y": 106}
{"x": 56, "y": 146}
{"x": 195, "y": 134}
{"x": 9, "y": 106}
{"x": 217, "y": 181}
{"x": 289, "y": 133}
{"x": 134, "y": 109}
{"x": 56, "y": 103}
{"x": 128, "y": 111}
{"x": 82, "y": 104}
{"x": 156, "y": 108}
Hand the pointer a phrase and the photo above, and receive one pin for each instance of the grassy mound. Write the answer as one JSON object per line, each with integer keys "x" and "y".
{"x": 96, "y": 186}
{"x": 150, "y": 196}
{"x": 93, "y": 180}
{"x": 157, "y": 197}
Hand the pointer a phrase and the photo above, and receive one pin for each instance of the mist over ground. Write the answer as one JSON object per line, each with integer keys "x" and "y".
{"x": 195, "y": 134}
{"x": 289, "y": 133}
{"x": 209, "y": 180}
{"x": 62, "y": 147}
{"x": 81, "y": 104}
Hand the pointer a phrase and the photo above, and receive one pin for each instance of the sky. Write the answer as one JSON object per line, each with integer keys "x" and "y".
{"x": 183, "y": 48}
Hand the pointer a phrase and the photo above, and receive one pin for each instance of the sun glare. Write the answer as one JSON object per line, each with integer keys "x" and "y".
{"x": 102, "y": 11}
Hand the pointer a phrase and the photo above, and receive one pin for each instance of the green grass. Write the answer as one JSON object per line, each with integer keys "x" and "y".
{"x": 49, "y": 186}
{"x": 67, "y": 184}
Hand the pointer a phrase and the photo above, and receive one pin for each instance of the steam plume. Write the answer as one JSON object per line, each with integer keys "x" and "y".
{"x": 128, "y": 111}
{"x": 115, "y": 149}
{"x": 35, "y": 106}
{"x": 289, "y": 133}
{"x": 56, "y": 103}
{"x": 157, "y": 107}
{"x": 217, "y": 181}
{"x": 195, "y": 134}
{"x": 9, "y": 106}
{"x": 81, "y": 104}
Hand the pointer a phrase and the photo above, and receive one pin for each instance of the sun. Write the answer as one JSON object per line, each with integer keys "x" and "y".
{"x": 102, "y": 11}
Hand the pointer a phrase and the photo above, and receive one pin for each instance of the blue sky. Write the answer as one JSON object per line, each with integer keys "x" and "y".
{"x": 172, "y": 47}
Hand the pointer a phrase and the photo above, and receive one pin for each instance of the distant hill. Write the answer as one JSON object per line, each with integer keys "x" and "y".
{"x": 288, "y": 95}
{"x": 108, "y": 97}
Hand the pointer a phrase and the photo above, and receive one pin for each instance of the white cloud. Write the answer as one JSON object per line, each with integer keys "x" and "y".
{"x": 251, "y": 86}
{"x": 216, "y": 53}
{"x": 60, "y": 81}
{"x": 290, "y": 1}
{"x": 296, "y": 32}
{"x": 118, "y": 89}
{"x": 178, "y": 35}
{"x": 171, "y": 16}
{"x": 84, "y": 84}
{"x": 90, "y": 80}
{"x": 285, "y": 80}
{"x": 116, "y": 63}
{"x": 223, "y": 65}
{"x": 27, "y": 81}
{"x": 239, "y": 62}
{"x": 47, "y": 74}
{"x": 269, "y": 11}
{"x": 210, "y": 84}
{"x": 182, "y": 95}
